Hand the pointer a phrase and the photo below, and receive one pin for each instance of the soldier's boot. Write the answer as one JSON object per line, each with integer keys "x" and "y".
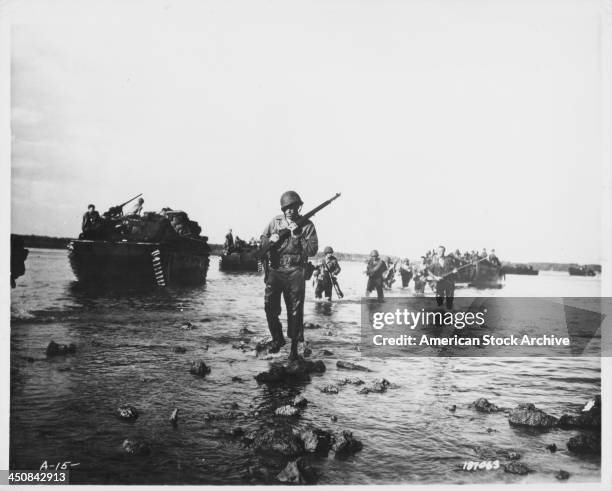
{"x": 293, "y": 354}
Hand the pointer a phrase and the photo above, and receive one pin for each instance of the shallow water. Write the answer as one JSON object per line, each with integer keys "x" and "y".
{"x": 62, "y": 408}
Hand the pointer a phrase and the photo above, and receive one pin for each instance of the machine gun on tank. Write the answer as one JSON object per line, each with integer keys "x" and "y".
{"x": 117, "y": 211}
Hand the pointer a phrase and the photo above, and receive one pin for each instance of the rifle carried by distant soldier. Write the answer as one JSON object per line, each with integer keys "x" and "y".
{"x": 117, "y": 211}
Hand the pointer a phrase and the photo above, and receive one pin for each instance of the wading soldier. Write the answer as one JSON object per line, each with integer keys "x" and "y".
{"x": 326, "y": 273}
{"x": 375, "y": 270}
{"x": 286, "y": 272}
{"x": 442, "y": 269}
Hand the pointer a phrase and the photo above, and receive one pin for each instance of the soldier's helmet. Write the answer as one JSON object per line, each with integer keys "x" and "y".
{"x": 387, "y": 259}
{"x": 328, "y": 250}
{"x": 374, "y": 253}
{"x": 290, "y": 198}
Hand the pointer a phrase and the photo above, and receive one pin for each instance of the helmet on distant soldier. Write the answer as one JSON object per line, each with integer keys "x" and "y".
{"x": 290, "y": 198}
{"x": 387, "y": 259}
{"x": 374, "y": 253}
{"x": 328, "y": 250}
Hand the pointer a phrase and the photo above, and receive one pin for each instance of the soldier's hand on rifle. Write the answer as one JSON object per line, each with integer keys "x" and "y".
{"x": 293, "y": 227}
{"x": 274, "y": 238}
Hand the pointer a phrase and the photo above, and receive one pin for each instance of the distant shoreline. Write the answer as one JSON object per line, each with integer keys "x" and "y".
{"x": 44, "y": 242}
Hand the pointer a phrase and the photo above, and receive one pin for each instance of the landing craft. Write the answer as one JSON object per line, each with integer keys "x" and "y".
{"x": 153, "y": 249}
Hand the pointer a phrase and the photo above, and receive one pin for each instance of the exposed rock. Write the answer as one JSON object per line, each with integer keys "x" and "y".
{"x": 552, "y": 448}
{"x": 334, "y": 418}
{"x": 307, "y": 352}
{"x": 329, "y": 333}
{"x": 351, "y": 381}
{"x": 452, "y": 408}
{"x": 276, "y": 441}
{"x": 237, "y": 431}
{"x": 179, "y": 349}
{"x": 511, "y": 454}
{"x": 295, "y": 370}
{"x": 187, "y": 326}
{"x": 491, "y": 430}
{"x": 136, "y": 448}
{"x": 529, "y": 415}
{"x": 316, "y": 440}
{"x": 517, "y": 468}
{"x": 245, "y": 332}
{"x": 256, "y": 473}
{"x": 562, "y": 475}
{"x": 174, "y": 417}
{"x": 221, "y": 416}
{"x": 588, "y": 419}
{"x": 329, "y": 389}
{"x": 54, "y": 349}
{"x": 326, "y": 352}
{"x": 347, "y": 365}
{"x": 127, "y": 412}
{"x": 378, "y": 386}
{"x": 291, "y": 474}
{"x": 236, "y": 379}
{"x": 299, "y": 401}
{"x": 345, "y": 444}
{"x": 199, "y": 368}
{"x": 484, "y": 406}
{"x": 311, "y": 325}
{"x": 585, "y": 444}
{"x": 287, "y": 411}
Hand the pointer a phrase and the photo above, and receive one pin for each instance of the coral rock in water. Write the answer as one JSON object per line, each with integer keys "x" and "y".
{"x": 299, "y": 401}
{"x": 585, "y": 444}
{"x": 54, "y": 349}
{"x": 316, "y": 440}
{"x": 287, "y": 411}
{"x": 199, "y": 368}
{"x": 529, "y": 415}
{"x": 562, "y": 475}
{"x": 588, "y": 419}
{"x": 329, "y": 389}
{"x": 345, "y": 444}
{"x": 484, "y": 406}
{"x": 136, "y": 448}
{"x": 127, "y": 412}
{"x": 347, "y": 365}
{"x": 516, "y": 468}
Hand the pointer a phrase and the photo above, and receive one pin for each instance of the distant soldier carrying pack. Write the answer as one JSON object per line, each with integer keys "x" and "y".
{"x": 326, "y": 274}
{"x": 442, "y": 269}
{"x": 375, "y": 270}
{"x": 286, "y": 277}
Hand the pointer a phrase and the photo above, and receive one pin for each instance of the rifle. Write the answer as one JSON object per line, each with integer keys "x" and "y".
{"x": 334, "y": 282}
{"x": 285, "y": 233}
{"x": 116, "y": 210}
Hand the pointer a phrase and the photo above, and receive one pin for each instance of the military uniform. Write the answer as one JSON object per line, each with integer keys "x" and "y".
{"x": 375, "y": 271}
{"x": 405, "y": 273}
{"x": 286, "y": 277}
{"x": 445, "y": 287}
{"x": 324, "y": 279}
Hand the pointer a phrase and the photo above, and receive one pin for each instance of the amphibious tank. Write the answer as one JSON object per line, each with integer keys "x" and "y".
{"x": 161, "y": 249}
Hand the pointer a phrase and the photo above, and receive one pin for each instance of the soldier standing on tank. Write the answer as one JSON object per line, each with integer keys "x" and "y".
{"x": 326, "y": 273}
{"x": 91, "y": 222}
{"x": 375, "y": 271}
{"x": 442, "y": 269}
{"x": 286, "y": 275}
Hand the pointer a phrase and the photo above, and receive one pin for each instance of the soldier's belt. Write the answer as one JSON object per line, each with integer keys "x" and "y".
{"x": 287, "y": 260}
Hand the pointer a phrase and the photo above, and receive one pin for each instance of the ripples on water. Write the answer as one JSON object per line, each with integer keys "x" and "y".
{"x": 62, "y": 408}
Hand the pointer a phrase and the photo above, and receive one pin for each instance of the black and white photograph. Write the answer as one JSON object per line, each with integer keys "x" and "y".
{"x": 306, "y": 242}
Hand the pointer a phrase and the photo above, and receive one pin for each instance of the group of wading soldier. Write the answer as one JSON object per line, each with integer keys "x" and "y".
{"x": 290, "y": 239}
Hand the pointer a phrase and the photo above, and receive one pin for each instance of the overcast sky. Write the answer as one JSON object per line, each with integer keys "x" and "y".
{"x": 468, "y": 123}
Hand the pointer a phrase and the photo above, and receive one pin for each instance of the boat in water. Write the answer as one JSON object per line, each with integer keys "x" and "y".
{"x": 482, "y": 273}
{"x": 523, "y": 269}
{"x": 153, "y": 249}
{"x": 581, "y": 271}
{"x": 244, "y": 259}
